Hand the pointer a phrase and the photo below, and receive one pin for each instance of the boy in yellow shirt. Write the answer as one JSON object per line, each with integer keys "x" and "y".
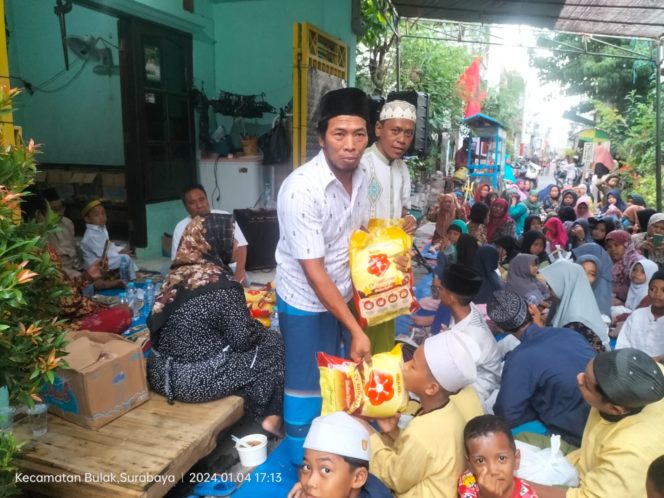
{"x": 425, "y": 458}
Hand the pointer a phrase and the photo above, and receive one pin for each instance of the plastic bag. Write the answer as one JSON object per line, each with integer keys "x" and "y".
{"x": 375, "y": 391}
{"x": 546, "y": 466}
{"x": 382, "y": 292}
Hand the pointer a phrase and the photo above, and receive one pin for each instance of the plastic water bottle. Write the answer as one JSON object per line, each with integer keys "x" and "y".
{"x": 125, "y": 272}
{"x": 132, "y": 299}
{"x": 274, "y": 320}
{"x": 148, "y": 297}
{"x": 123, "y": 298}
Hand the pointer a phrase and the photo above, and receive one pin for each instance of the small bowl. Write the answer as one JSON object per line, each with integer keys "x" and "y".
{"x": 256, "y": 454}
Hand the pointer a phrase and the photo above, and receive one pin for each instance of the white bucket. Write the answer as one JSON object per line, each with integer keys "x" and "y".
{"x": 253, "y": 455}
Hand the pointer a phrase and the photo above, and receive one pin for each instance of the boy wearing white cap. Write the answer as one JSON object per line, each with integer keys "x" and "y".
{"x": 336, "y": 461}
{"x": 425, "y": 459}
{"x": 388, "y": 186}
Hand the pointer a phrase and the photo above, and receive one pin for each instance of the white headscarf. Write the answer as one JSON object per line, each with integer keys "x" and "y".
{"x": 577, "y": 301}
{"x": 637, "y": 292}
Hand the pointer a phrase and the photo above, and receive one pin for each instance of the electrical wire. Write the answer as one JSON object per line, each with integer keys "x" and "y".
{"x": 62, "y": 87}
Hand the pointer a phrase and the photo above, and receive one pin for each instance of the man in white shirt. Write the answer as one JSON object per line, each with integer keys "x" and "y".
{"x": 459, "y": 284}
{"x": 319, "y": 205}
{"x": 196, "y": 203}
{"x": 388, "y": 186}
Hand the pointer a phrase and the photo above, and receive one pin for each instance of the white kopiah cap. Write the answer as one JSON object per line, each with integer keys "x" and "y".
{"x": 452, "y": 358}
{"x": 398, "y": 109}
{"x": 341, "y": 434}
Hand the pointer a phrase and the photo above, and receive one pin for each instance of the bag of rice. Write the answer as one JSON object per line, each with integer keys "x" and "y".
{"x": 375, "y": 391}
{"x": 382, "y": 291}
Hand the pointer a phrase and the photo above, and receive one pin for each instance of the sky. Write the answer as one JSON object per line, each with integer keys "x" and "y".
{"x": 544, "y": 103}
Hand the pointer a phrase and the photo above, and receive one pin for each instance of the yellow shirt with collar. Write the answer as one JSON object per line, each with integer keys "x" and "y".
{"x": 614, "y": 456}
{"x": 427, "y": 457}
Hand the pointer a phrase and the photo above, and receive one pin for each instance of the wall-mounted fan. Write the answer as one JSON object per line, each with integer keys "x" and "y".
{"x": 88, "y": 48}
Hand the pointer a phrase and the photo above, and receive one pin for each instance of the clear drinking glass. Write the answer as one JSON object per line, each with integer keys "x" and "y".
{"x": 38, "y": 419}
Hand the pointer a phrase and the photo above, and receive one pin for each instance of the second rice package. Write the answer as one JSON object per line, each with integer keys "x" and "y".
{"x": 382, "y": 291}
{"x": 375, "y": 391}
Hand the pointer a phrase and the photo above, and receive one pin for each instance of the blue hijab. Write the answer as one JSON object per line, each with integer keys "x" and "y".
{"x": 486, "y": 263}
{"x": 620, "y": 204}
{"x": 602, "y": 288}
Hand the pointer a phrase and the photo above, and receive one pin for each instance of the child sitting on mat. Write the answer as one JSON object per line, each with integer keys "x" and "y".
{"x": 336, "y": 461}
{"x": 95, "y": 237}
{"x": 492, "y": 459}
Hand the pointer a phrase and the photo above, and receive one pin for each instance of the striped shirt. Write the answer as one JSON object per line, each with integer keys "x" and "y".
{"x": 316, "y": 220}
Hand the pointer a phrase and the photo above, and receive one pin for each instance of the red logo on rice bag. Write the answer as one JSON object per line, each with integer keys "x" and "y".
{"x": 378, "y": 264}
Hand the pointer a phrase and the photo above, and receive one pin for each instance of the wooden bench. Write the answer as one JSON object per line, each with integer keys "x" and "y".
{"x": 144, "y": 453}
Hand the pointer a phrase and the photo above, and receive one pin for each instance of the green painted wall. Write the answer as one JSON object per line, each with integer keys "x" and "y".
{"x": 77, "y": 115}
{"x": 162, "y": 217}
{"x": 255, "y": 42}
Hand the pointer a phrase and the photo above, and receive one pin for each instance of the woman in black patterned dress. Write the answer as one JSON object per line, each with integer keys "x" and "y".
{"x": 205, "y": 344}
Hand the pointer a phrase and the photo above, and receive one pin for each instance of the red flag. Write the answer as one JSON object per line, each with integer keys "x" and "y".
{"x": 469, "y": 88}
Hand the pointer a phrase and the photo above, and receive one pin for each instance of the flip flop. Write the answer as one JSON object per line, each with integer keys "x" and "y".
{"x": 215, "y": 487}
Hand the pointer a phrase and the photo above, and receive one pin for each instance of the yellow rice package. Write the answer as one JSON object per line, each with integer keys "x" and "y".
{"x": 375, "y": 391}
{"x": 382, "y": 291}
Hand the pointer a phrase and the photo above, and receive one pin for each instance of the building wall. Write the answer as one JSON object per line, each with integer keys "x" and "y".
{"x": 255, "y": 43}
{"x": 76, "y": 116}
{"x": 239, "y": 46}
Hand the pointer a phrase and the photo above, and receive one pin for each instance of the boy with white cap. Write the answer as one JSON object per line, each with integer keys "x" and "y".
{"x": 388, "y": 186}
{"x": 425, "y": 459}
{"x": 336, "y": 461}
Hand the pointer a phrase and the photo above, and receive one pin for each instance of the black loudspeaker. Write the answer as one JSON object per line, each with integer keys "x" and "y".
{"x": 420, "y": 100}
{"x": 261, "y": 229}
{"x": 376, "y": 103}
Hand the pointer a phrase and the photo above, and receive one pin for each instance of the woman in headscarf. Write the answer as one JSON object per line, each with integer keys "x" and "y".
{"x": 518, "y": 211}
{"x": 205, "y": 344}
{"x": 499, "y": 223}
{"x": 446, "y": 215}
{"x": 534, "y": 243}
{"x": 640, "y": 273}
{"x": 646, "y": 242}
{"x": 556, "y": 234}
{"x": 636, "y": 200}
{"x": 491, "y": 197}
{"x": 569, "y": 198}
{"x": 533, "y": 222}
{"x": 522, "y": 279}
{"x": 579, "y": 234}
{"x": 600, "y": 228}
{"x": 575, "y": 305}
{"x": 507, "y": 247}
{"x": 448, "y": 211}
{"x": 552, "y": 202}
{"x": 621, "y": 249}
{"x": 477, "y": 224}
{"x": 482, "y": 191}
{"x": 629, "y": 218}
{"x": 454, "y": 232}
{"x": 613, "y": 199}
{"x": 602, "y": 286}
{"x": 486, "y": 264}
{"x": 582, "y": 208}
{"x": 533, "y": 204}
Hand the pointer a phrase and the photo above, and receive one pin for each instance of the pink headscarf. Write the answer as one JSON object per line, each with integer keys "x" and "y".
{"x": 584, "y": 199}
{"x": 494, "y": 223}
{"x": 621, "y": 280}
{"x": 555, "y": 233}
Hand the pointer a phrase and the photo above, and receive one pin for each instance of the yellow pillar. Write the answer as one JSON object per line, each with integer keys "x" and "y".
{"x": 6, "y": 119}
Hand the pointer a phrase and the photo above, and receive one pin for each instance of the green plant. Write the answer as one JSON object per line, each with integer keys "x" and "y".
{"x": 31, "y": 336}
{"x": 9, "y": 448}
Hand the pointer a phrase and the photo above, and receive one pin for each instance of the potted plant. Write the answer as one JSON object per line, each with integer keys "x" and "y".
{"x": 31, "y": 335}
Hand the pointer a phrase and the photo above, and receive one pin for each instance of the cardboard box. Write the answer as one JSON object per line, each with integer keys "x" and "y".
{"x": 105, "y": 380}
